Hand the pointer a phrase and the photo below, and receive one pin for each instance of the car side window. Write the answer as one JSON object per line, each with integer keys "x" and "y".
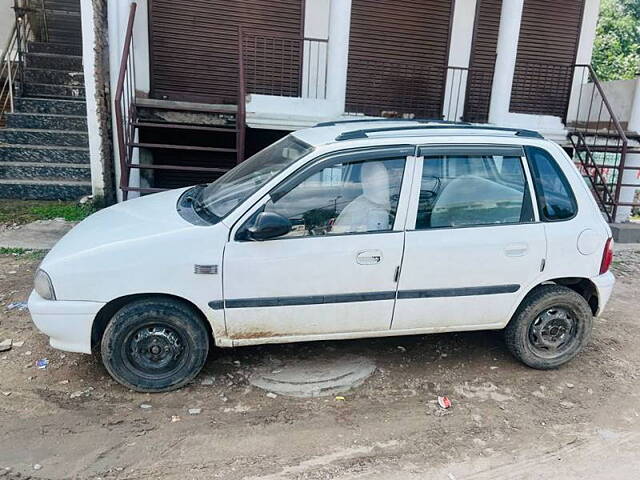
{"x": 472, "y": 190}
{"x": 342, "y": 197}
{"x": 556, "y": 200}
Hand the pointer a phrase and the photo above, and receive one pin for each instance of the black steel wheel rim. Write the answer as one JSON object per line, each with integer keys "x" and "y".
{"x": 553, "y": 332}
{"x": 155, "y": 351}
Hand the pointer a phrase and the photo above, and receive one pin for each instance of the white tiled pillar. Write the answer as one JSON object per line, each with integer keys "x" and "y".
{"x": 583, "y": 54}
{"x": 96, "y": 161}
{"x": 460, "y": 46}
{"x": 507, "y": 50}
{"x": 338, "y": 53}
{"x": 633, "y": 160}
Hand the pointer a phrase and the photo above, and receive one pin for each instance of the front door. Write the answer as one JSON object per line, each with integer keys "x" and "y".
{"x": 473, "y": 244}
{"x": 335, "y": 272}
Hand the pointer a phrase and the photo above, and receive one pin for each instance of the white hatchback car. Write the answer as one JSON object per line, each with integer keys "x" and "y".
{"x": 345, "y": 230}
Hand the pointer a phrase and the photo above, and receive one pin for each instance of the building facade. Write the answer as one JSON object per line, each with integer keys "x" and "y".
{"x": 179, "y": 92}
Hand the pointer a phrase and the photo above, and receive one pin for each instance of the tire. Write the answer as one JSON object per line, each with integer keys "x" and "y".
{"x": 551, "y": 326}
{"x": 155, "y": 345}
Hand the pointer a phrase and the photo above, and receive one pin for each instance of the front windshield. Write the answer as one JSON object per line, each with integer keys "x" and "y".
{"x": 219, "y": 198}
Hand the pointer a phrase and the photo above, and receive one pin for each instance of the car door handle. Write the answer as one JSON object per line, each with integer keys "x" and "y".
{"x": 516, "y": 250}
{"x": 369, "y": 257}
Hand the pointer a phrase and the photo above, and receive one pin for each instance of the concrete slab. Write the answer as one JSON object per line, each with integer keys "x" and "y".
{"x": 39, "y": 235}
{"x": 315, "y": 377}
{"x": 626, "y": 232}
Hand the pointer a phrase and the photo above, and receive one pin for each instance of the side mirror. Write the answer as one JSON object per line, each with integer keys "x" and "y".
{"x": 269, "y": 225}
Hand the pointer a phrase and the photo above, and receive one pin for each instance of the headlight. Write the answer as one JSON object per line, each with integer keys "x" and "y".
{"x": 44, "y": 287}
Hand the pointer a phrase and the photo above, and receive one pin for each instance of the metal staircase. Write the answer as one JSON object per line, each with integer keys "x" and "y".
{"x": 600, "y": 143}
{"x": 150, "y": 133}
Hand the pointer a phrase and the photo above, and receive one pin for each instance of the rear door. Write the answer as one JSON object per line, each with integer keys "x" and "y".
{"x": 473, "y": 243}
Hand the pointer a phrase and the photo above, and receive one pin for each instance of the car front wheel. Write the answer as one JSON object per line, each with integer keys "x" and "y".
{"x": 551, "y": 326}
{"x": 155, "y": 345}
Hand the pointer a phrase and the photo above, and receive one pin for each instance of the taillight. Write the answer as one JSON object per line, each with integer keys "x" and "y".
{"x": 607, "y": 256}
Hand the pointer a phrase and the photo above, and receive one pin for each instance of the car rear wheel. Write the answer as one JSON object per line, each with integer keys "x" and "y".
{"x": 551, "y": 326}
{"x": 155, "y": 345}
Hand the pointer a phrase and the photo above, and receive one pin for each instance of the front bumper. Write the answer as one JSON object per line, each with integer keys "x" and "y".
{"x": 68, "y": 324}
{"x": 604, "y": 285}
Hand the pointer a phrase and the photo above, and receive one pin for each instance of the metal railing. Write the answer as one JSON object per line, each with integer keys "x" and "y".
{"x": 283, "y": 65}
{"x": 30, "y": 25}
{"x": 8, "y": 69}
{"x": 278, "y": 65}
{"x": 467, "y": 94}
{"x": 542, "y": 88}
{"x": 125, "y": 108}
{"x": 396, "y": 89}
{"x": 128, "y": 126}
{"x": 599, "y": 141}
{"x": 455, "y": 93}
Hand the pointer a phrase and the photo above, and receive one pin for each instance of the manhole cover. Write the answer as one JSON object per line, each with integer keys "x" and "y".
{"x": 314, "y": 377}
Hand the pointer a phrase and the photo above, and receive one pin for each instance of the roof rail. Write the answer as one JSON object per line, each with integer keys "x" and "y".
{"x": 389, "y": 119}
{"x": 356, "y": 134}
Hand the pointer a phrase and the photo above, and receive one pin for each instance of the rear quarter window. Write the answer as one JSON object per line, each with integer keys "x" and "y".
{"x": 555, "y": 198}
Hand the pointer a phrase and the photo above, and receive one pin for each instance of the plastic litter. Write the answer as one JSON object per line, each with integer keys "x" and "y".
{"x": 20, "y": 306}
{"x": 195, "y": 411}
{"x": 272, "y": 395}
{"x": 340, "y": 398}
{"x": 444, "y": 402}
{"x": 42, "y": 363}
{"x": 145, "y": 406}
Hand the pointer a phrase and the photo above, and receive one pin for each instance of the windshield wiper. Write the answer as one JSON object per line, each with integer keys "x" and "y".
{"x": 199, "y": 207}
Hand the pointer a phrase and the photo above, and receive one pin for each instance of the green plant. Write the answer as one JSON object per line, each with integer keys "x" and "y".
{"x": 616, "y": 52}
{"x": 72, "y": 212}
{"x": 22, "y": 252}
{"x": 25, "y": 211}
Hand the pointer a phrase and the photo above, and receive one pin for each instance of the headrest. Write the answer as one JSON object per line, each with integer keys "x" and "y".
{"x": 375, "y": 183}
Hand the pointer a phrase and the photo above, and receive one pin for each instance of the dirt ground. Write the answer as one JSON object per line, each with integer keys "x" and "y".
{"x": 71, "y": 420}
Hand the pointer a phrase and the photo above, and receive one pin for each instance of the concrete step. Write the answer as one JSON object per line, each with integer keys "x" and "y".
{"x": 45, "y": 121}
{"x": 54, "y": 60}
{"x": 45, "y": 171}
{"x": 59, "y": 48}
{"x": 12, "y": 136}
{"x": 44, "y": 154}
{"x": 44, "y": 189}
{"x": 48, "y": 105}
{"x": 65, "y": 35}
{"x": 71, "y": 5}
{"x": 56, "y": 91}
{"x": 60, "y": 20}
{"x": 54, "y": 77}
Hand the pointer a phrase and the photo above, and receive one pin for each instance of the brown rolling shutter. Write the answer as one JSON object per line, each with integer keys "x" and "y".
{"x": 483, "y": 60}
{"x": 398, "y": 55}
{"x": 194, "y": 45}
{"x": 549, "y": 35}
